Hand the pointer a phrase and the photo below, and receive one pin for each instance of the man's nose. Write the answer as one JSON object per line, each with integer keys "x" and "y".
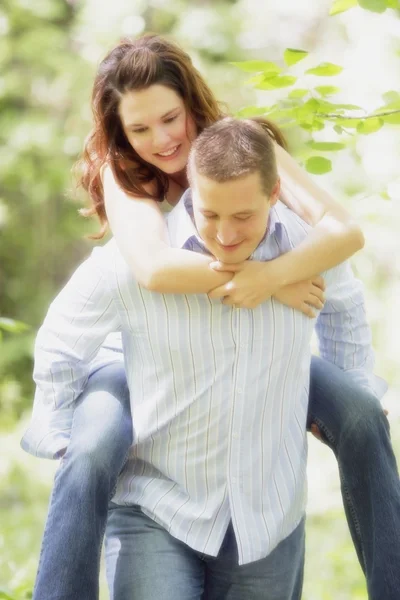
{"x": 227, "y": 234}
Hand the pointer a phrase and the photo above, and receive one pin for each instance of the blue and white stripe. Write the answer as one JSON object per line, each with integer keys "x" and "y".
{"x": 218, "y": 395}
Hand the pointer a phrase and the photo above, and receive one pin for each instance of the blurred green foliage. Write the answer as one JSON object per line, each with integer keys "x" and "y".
{"x": 48, "y": 55}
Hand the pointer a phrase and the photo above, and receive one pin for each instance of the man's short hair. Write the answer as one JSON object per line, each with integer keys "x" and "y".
{"x": 233, "y": 148}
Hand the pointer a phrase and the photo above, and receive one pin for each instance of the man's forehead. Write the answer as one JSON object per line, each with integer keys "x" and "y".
{"x": 222, "y": 202}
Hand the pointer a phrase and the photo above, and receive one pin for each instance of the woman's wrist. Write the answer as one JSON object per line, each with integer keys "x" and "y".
{"x": 275, "y": 274}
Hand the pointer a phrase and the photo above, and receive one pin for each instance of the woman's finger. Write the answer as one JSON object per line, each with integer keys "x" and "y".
{"x": 315, "y": 301}
{"x": 319, "y": 282}
{"x": 316, "y": 291}
{"x": 307, "y": 310}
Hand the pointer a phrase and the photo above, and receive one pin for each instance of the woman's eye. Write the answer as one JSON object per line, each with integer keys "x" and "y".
{"x": 139, "y": 130}
{"x": 170, "y": 119}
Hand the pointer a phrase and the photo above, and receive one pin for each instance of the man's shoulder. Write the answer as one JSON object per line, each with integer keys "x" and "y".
{"x": 108, "y": 259}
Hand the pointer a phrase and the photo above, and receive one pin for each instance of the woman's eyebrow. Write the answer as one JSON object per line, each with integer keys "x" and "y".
{"x": 163, "y": 117}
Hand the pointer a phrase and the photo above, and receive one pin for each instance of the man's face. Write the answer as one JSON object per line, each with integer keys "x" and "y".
{"x": 231, "y": 217}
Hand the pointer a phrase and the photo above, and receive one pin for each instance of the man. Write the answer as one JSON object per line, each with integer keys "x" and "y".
{"x": 212, "y": 498}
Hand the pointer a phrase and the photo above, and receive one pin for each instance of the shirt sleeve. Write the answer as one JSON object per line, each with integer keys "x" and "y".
{"x": 343, "y": 332}
{"x": 77, "y": 322}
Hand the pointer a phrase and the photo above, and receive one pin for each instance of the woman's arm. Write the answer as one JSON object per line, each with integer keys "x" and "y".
{"x": 141, "y": 235}
{"x": 335, "y": 235}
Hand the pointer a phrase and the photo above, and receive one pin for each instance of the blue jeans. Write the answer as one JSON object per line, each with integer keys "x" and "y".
{"x": 355, "y": 427}
{"x": 101, "y": 436}
{"x": 145, "y": 562}
{"x": 352, "y": 424}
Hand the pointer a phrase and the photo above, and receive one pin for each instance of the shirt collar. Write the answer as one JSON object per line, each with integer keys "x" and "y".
{"x": 182, "y": 230}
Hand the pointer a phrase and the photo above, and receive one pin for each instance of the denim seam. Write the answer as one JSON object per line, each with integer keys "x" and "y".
{"x": 46, "y": 529}
{"x": 53, "y": 494}
{"x": 347, "y": 494}
{"x": 109, "y": 498}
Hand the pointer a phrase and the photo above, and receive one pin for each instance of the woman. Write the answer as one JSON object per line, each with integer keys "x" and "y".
{"x": 149, "y": 104}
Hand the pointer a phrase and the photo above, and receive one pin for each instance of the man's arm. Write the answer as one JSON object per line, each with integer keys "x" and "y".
{"x": 77, "y": 322}
{"x": 343, "y": 331}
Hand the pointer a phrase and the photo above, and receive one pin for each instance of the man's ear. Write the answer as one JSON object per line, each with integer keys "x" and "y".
{"x": 276, "y": 190}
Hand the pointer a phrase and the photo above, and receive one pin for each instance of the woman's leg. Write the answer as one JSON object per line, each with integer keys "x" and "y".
{"x": 101, "y": 436}
{"x": 353, "y": 424}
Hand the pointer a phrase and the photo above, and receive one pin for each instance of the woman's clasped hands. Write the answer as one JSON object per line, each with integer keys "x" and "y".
{"x": 255, "y": 282}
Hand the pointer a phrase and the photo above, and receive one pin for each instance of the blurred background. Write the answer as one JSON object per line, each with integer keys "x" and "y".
{"x": 49, "y": 51}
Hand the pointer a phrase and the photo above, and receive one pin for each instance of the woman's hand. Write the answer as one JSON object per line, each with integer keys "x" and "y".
{"x": 305, "y": 296}
{"x": 253, "y": 284}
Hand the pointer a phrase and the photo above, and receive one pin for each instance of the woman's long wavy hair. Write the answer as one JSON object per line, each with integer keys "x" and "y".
{"x": 136, "y": 65}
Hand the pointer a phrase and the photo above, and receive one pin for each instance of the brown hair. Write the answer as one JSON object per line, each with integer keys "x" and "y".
{"x": 233, "y": 148}
{"x": 135, "y": 65}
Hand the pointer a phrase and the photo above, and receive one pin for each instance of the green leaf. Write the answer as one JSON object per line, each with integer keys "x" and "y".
{"x": 393, "y": 4}
{"x": 348, "y": 106}
{"x": 338, "y": 129}
{"x": 279, "y": 114}
{"x": 312, "y": 124}
{"x": 327, "y": 90}
{"x": 378, "y": 6}
{"x": 291, "y": 56}
{"x": 12, "y": 326}
{"x": 273, "y": 83}
{"x": 393, "y": 119}
{"x": 340, "y": 6}
{"x": 299, "y": 93}
{"x": 318, "y": 165}
{"x": 325, "y": 69}
{"x": 347, "y": 123}
{"x": 326, "y": 146}
{"x": 391, "y": 96}
{"x": 253, "y": 111}
{"x": 257, "y": 66}
{"x": 370, "y": 125}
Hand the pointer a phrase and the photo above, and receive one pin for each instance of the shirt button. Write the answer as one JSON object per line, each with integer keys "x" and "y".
{"x": 233, "y": 479}
{"x": 239, "y": 390}
{"x": 235, "y": 435}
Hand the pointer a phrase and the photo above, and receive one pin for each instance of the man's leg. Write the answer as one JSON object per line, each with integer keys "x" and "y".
{"x": 279, "y": 576}
{"x": 353, "y": 425}
{"x": 101, "y": 436}
{"x": 145, "y": 562}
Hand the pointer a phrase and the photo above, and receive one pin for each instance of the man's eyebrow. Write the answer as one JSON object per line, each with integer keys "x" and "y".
{"x": 163, "y": 117}
{"x": 244, "y": 212}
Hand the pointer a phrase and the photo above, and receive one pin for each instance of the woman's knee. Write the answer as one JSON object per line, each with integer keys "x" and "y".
{"x": 102, "y": 424}
{"x": 368, "y": 422}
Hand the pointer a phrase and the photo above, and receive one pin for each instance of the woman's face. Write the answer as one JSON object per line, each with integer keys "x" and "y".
{"x": 158, "y": 126}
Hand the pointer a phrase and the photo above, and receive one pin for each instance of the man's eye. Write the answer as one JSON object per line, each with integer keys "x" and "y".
{"x": 210, "y": 216}
{"x": 243, "y": 218}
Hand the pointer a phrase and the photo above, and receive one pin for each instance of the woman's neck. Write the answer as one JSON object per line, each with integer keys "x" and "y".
{"x": 175, "y": 191}
{"x": 178, "y": 183}
{"x": 180, "y": 178}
